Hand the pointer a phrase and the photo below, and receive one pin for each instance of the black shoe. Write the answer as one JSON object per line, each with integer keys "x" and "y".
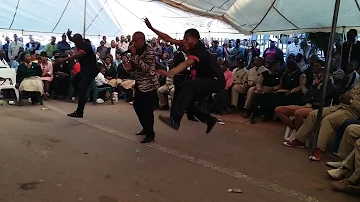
{"x": 141, "y": 133}
{"x": 148, "y": 139}
{"x": 75, "y": 114}
{"x": 210, "y": 124}
{"x": 166, "y": 107}
{"x": 170, "y": 122}
{"x": 192, "y": 118}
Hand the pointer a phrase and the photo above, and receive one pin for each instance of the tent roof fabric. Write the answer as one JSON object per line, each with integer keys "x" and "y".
{"x": 117, "y": 17}
{"x": 275, "y": 16}
{"x": 104, "y": 17}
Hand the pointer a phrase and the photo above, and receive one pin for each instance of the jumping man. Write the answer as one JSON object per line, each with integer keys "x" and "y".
{"x": 209, "y": 78}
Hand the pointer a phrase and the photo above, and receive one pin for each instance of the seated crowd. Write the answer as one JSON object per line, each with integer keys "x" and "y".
{"x": 290, "y": 90}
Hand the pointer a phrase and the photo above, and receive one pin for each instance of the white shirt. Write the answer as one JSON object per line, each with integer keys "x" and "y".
{"x": 3, "y": 63}
{"x": 113, "y": 52}
{"x": 14, "y": 48}
{"x": 100, "y": 79}
{"x": 294, "y": 49}
{"x": 124, "y": 46}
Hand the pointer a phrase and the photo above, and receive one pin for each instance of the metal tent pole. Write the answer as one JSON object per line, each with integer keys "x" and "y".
{"x": 327, "y": 69}
{"x": 84, "y": 28}
{"x": 342, "y": 42}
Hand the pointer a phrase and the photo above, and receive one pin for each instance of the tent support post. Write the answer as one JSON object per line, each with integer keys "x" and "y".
{"x": 342, "y": 41}
{"x": 327, "y": 70}
{"x": 84, "y": 28}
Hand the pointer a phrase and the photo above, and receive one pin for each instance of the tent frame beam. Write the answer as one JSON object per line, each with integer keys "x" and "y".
{"x": 84, "y": 28}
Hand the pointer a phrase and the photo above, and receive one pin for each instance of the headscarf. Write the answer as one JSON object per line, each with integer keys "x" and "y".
{"x": 22, "y": 56}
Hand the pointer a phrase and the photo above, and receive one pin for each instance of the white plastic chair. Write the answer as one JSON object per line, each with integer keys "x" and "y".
{"x": 9, "y": 73}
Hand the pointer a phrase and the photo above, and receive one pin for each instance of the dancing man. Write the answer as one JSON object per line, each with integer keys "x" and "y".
{"x": 180, "y": 79}
{"x": 142, "y": 61}
{"x": 209, "y": 78}
{"x": 89, "y": 69}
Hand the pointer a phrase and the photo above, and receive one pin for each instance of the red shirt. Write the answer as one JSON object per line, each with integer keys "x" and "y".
{"x": 76, "y": 68}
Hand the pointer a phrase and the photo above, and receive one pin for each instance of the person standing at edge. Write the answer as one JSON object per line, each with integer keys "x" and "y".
{"x": 143, "y": 63}
{"x": 89, "y": 70}
{"x": 210, "y": 78}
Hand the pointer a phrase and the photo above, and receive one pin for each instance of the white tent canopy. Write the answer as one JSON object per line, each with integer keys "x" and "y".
{"x": 105, "y": 17}
{"x": 270, "y": 16}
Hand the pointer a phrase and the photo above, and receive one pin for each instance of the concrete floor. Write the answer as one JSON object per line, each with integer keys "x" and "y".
{"x": 48, "y": 157}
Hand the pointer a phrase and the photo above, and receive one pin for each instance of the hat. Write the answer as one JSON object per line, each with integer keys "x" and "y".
{"x": 43, "y": 54}
{"x": 37, "y": 52}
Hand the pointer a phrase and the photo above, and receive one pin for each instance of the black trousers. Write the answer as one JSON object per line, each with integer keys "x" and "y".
{"x": 221, "y": 100}
{"x": 81, "y": 83}
{"x": 191, "y": 92}
{"x": 144, "y": 103}
{"x": 178, "y": 89}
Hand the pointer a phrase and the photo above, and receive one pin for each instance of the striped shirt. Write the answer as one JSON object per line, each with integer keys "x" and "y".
{"x": 146, "y": 78}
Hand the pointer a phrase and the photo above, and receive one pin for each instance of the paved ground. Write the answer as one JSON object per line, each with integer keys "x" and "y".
{"x": 47, "y": 157}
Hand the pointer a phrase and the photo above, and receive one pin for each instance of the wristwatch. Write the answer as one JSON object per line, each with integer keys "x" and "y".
{"x": 351, "y": 101}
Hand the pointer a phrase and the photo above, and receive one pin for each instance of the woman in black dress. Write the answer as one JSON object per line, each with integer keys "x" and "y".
{"x": 61, "y": 82}
{"x": 268, "y": 84}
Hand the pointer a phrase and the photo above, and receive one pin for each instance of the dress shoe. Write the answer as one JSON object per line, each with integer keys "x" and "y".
{"x": 76, "y": 114}
{"x": 148, "y": 139}
{"x": 341, "y": 185}
{"x": 210, "y": 124}
{"x": 141, "y": 133}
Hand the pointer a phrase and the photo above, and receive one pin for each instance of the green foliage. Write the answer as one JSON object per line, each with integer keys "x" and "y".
{"x": 320, "y": 40}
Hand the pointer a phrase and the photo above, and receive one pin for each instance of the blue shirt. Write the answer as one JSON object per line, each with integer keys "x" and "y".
{"x": 93, "y": 48}
{"x": 15, "y": 64}
{"x": 6, "y": 49}
{"x": 63, "y": 46}
{"x": 218, "y": 51}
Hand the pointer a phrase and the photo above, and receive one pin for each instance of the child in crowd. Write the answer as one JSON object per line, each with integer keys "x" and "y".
{"x": 102, "y": 83}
